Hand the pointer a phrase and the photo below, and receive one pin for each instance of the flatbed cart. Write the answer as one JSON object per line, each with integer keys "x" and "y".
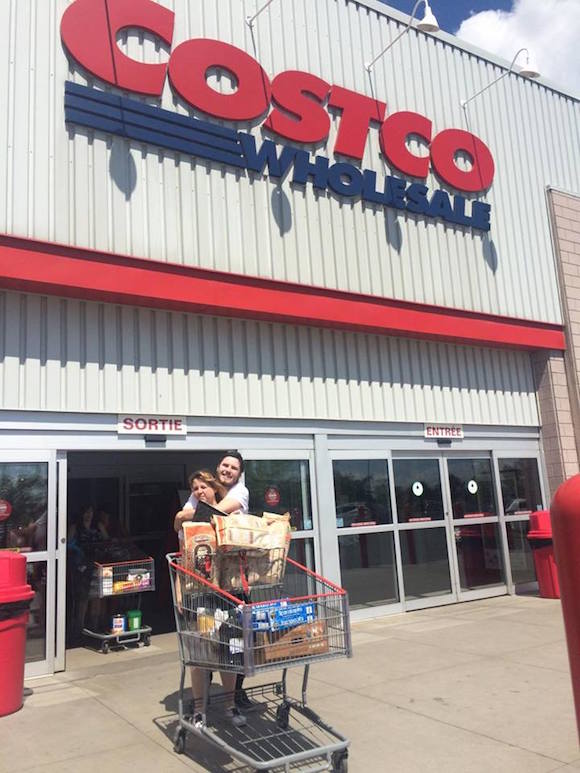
{"x": 295, "y": 622}
{"x": 122, "y": 578}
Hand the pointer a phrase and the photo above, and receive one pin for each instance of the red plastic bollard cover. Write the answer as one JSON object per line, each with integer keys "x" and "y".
{"x": 540, "y": 537}
{"x": 14, "y": 590}
{"x": 566, "y": 527}
{"x": 540, "y": 525}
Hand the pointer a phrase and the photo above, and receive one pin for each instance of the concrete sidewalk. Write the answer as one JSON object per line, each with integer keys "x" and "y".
{"x": 472, "y": 687}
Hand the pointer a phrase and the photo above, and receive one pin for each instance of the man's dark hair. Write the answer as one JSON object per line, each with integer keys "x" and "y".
{"x": 236, "y": 454}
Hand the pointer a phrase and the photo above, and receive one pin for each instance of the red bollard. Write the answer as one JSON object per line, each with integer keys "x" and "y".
{"x": 565, "y": 513}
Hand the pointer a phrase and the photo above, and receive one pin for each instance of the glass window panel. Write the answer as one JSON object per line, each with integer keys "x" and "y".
{"x": 425, "y": 563}
{"x": 302, "y": 551}
{"x": 368, "y": 568}
{"x": 471, "y": 484}
{"x": 520, "y": 485}
{"x": 36, "y": 629}
{"x": 521, "y": 556}
{"x": 361, "y": 490}
{"x": 479, "y": 555}
{"x": 418, "y": 490}
{"x": 24, "y": 495}
{"x": 280, "y": 486}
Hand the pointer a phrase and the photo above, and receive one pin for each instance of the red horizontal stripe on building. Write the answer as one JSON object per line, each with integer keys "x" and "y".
{"x": 54, "y": 269}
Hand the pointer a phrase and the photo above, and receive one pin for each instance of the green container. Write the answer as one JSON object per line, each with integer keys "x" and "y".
{"x": 134, "y": 619}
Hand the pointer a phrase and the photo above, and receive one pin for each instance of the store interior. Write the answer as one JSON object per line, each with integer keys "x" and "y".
{"x": 120, "y": 509}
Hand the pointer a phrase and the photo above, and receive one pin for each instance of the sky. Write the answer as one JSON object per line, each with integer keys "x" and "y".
{"x": 549, "y": 29}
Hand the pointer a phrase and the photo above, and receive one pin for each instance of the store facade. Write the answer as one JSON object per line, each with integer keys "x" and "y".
{"x": 219, "y": 236}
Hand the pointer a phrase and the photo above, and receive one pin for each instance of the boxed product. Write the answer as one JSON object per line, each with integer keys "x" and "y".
{"x": 239, "y": 531}
{"x": 303, "y": 641}
{"x": 280, "y": 615}
{"x": 199, "y": 545}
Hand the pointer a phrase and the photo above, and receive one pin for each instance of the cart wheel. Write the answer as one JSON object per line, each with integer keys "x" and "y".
{"x": 340, "y": 762}
{"x": 283, "y": 716}
{"x": 105, "y": 648}
{"x": 179, "y": 741}
{"x": 146, "y": 640}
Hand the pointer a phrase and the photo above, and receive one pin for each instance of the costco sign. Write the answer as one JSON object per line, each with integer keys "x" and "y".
{"x": 292, "y": 105}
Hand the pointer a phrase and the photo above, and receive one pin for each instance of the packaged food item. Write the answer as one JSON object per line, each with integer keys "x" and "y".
{"x": 205, "y": 620}
{"x": 281, "y": 615}
{"x": 139, "y": 578}
{"x": 199, "y": 545}
{"x": 118, "y": 624}
{"x": 304, "y": 640}
{"x": 241, "y": 531}
{"x": 107, "y": 581}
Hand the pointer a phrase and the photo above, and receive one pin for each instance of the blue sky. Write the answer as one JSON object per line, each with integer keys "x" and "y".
{"x": 450, "y": 13}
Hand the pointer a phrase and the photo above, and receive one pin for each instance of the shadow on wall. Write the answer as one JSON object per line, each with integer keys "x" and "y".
{"x": 122, "y": 167}
{"x": 490, "y": 253}
{"x": 281, "y": 210}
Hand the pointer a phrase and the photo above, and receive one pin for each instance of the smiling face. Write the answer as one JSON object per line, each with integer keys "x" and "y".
{"x": 203, "y": 492}
{"x": 229, "y": 471}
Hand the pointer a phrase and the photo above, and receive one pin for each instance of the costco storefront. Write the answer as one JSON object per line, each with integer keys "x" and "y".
{"x": 217, "y": 235}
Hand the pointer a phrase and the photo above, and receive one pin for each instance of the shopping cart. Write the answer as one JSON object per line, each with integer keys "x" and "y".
{"x": 296, "y": 621}
{"x": 113, "y": 579}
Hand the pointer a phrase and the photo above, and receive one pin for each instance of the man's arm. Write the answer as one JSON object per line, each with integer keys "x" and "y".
{"x": 229, "y": 505}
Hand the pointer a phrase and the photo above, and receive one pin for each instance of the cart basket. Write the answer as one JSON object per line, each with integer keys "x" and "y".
{"x": 301, "y": 619}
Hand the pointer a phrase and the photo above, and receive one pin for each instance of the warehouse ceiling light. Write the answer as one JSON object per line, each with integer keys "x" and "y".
{"x": 529, "y": 70}
{"x": 427, "y": 24}
{"x": 250, "y": 19}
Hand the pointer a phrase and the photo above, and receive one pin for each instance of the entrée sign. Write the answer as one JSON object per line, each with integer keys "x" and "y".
{"x": 299, "y": 102}
{"x": 444, "y": 431}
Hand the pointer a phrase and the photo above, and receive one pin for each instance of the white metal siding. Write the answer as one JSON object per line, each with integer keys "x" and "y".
{"x": 99, "y": 192}
{"x": 68, "y": 355}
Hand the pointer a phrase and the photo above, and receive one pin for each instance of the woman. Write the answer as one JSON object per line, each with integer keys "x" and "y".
{"x": 82, "y": 539}
{"x": 207, "y": 489}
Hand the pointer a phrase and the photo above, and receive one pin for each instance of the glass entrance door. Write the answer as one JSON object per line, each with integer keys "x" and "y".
{"x": 424, "y": 532}
{"x": 474, "y": 516}
{"x": 28, "y": 505}
{"x": 449, "y": 529}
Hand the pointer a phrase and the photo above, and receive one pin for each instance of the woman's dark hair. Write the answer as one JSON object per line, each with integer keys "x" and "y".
{"x": 80, "y": 514}
{"x": 236, "y": 454}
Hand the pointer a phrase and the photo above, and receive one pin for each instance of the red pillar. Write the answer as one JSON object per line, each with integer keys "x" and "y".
{"x": 565, "y": 512}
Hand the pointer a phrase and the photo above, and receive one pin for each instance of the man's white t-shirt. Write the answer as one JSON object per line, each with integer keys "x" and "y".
{"x": 239, "y": 492}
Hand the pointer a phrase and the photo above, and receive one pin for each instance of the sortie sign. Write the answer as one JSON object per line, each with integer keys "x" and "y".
{"x": 151, "y": 425}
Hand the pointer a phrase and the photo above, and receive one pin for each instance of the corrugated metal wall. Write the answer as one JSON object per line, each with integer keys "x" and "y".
{"x": 66, "y": 355}
{"x": 98, "y": 192}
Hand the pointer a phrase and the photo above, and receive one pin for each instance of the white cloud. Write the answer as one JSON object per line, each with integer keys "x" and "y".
{"x": 549, "y": 29}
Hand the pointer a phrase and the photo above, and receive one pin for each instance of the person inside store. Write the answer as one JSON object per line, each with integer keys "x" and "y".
{"x": 84, "y": 534}
{"x": 206, "y": 488}
{"x": 237, "y": 498}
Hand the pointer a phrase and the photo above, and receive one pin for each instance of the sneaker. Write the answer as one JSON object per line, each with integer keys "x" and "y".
{"x": 244, "y": 702}
{"x": 235, "y": 716}
{"x": 199, "y": 720}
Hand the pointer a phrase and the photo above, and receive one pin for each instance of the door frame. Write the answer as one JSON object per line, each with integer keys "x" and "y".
{"x": 53, "y": 556}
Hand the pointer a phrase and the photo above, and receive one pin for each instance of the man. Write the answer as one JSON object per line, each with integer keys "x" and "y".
{"x": 228, "y": 472}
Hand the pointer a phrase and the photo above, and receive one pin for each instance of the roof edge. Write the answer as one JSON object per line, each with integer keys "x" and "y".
{"x": 452, "y": 40}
